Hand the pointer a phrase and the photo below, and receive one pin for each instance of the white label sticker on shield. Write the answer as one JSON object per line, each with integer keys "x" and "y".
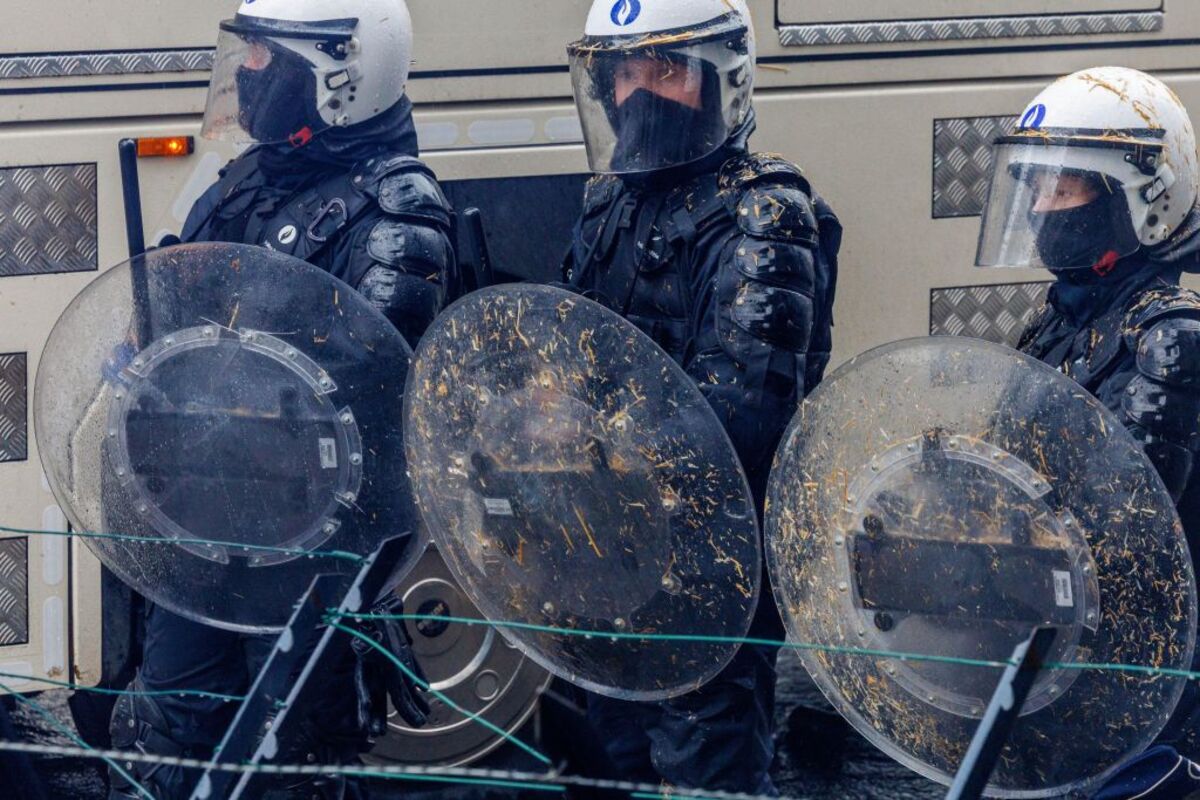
{"x": 1064, "y": 597}
{"x": 497, "y": 508}
{"x": 328, "y": 449}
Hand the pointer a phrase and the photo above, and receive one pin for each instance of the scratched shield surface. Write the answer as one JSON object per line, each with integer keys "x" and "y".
{"x": 238, "y": 413}
{"x": 943, "y": 497}
{"x": 579, "y": 486}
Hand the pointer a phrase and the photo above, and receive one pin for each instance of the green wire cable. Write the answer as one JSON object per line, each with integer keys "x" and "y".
{"x": 229, "y": 698}
{"x": 121, "y": 537}
{"x": 739, "y": 640}
{"x": 408, "y": 673}
{"x": 79, "y": 742}
{"x": 493, "y": 783}
{"x": 683, "y": 637}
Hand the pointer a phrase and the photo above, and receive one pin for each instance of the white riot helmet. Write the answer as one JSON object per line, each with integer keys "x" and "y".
{"x": 661, "y": 83}
{"x": 286, "y": 70}
{"x": 1102, "y": 162}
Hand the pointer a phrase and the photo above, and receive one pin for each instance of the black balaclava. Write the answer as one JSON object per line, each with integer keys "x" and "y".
{"x": 1078, "y": 239}
{"x": 339, "y": 149}
{"x": 648, "y": 119}
{"x": 279, "y": 103}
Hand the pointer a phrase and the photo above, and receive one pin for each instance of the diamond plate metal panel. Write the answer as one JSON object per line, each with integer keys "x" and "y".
{"x": 14, "y": 592}
{"x": 119, "y": 63}
{"x": 14, "y": 435}
{"x": 962, "y": 163}
{"x": 943, "y": 30}
{"x": 996, "y": 313}
{"x": 48, "y": 219}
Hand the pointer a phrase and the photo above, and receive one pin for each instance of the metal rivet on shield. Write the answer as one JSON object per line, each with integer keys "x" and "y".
{"x": 843, "y": 586}
{"x": 329, "y": 527}
{"x": 208, "y": 332}
{"x": 137, "y": 362}
{"x": 169, "y": 341}
{"x": 347, "y": 419}
{"x": 669, "y": 502}
{"x": 291, "y": 353}
{"x": 548, "y": 608}
{"x": 287, "y": 234}
{"x": 356, "y": 458}
{"x": 324, "y": 382}
{"x": 619, "y": 624}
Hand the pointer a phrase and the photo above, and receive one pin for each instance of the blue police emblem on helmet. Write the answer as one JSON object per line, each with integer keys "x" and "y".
{"x": 625, "y": 12}
{"x": 1033, "y": 118}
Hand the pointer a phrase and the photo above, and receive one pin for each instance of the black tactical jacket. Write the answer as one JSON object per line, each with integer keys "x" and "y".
{"x": 732, "y": 270}
{"x": 1140, "y": 355}
{"x": 379, "y": 222}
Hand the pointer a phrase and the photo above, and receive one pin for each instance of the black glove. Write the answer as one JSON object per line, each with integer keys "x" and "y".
{"x": 376, "y": 678}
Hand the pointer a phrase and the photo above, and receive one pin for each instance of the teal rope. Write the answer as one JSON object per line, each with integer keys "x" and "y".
{"x": 494, "y": 783}
{"x": 693, "y": 638}
{"x": 229, "y": 698}
{"x": 738, "y": 640}
{"x": 120, "y": 537}
{"x": 412, "y": 676}
{"x": 79, "y": 742}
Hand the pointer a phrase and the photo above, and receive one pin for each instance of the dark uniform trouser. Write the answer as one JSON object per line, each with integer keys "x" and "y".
{"x": 719, "y": 737}
{"x": 181, "y": 654}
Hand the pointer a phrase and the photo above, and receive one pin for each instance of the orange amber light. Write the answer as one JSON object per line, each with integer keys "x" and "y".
{"x": 165, "y": 147}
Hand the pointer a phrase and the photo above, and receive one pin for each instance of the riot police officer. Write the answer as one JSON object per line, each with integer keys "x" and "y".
{"x": 318, "y": 88}
{"x": 727, "y": 259}
{"x": 1098, "y": 185}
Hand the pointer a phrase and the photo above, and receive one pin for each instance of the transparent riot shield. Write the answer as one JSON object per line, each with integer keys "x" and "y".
{"x": 942, "y": 498}
{"x": 582, "y": 491}
{"x": 228, "y": 419}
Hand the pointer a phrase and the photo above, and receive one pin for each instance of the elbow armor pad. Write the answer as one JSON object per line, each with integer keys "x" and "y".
{"x": 767, "y": 287}
{"x": 1162, "y": 402}
{"x": 408, "y": 278}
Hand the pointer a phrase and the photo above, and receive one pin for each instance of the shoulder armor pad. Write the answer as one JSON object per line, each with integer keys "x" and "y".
{"x": 1169, "y": 352}
{"x": 600, "y": 191}
{"x": 746, "y": 170}
{"x": 770, "y": 199}
{"x": 1156, "y": 303}
{"x": 405, "y": 187}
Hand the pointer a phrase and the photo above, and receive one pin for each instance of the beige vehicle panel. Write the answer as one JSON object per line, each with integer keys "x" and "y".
{"x": 896, "y": 147}
{"x": 807, "y": 12}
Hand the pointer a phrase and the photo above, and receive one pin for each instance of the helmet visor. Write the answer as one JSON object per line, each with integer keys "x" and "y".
{"x": 261, "y": 92}
{"x": 661, "y": 101}
{"x": 1055, "y": 207}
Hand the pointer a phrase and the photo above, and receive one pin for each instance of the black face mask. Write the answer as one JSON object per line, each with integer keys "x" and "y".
{"x": 654, "y": 130}
{"x": 279, "y": 103}
{"x": 1076, "y": 238}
